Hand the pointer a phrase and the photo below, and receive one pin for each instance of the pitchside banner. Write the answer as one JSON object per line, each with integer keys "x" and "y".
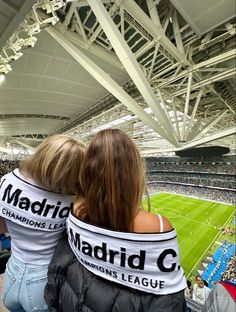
{"x": 25, "y": 203}
{"x": 148, "y": 262}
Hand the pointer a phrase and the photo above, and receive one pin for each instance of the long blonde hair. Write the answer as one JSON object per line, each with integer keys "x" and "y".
{"x": 55, "y": 164}
{"x": 112, "y": 180}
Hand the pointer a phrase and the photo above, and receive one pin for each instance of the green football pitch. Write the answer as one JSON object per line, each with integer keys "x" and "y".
{"x": 197, "y": 222}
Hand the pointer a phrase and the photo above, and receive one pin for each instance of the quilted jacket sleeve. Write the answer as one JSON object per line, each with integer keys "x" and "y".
{"x": 73, "y": 288}
{"x": 57, "y": 271}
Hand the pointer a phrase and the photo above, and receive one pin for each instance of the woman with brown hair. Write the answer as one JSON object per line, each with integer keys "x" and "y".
{"x": 119, "y": 257}
{"x": 35, "y": 201}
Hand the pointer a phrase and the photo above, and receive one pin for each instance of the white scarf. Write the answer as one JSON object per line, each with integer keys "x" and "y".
{"x": 24, "y": 202}
{"x": 147, "y": 262}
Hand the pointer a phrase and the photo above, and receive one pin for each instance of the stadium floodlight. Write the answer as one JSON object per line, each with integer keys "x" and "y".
{"x": 2, "y": 78}
{"x": 11, "y": 54}
{"x": 50, "y": 7}
{"x": 5, "y": 68}
{"x": 16, "y": 56}
{"x": 16, "y": 46}
{"x": 33, "y": 29}
{"x": 24, "y": 35}
{"x": 53, "y": 5}
{"x": 29, "y": 42}
{"x": 54, "y": 20}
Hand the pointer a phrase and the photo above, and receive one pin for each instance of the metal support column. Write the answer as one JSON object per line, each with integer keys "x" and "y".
{"x": 186, "y": 106}
{"x": 130, "y": 63}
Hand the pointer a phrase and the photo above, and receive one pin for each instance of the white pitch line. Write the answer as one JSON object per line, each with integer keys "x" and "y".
{"x": 205, "y": 224}
{"x": 179, "y": 215}
{"x": 209, "y": 246}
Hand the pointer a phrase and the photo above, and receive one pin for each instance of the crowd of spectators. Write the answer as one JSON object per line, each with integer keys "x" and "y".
{"x": 193, "y": 191}
{"x": 7, "y": 166}
{"x": 208, "y": 178}
{"x": 230, "y": 272}
{"x": 224, "y": 165}
{"x": 204, "y": 180}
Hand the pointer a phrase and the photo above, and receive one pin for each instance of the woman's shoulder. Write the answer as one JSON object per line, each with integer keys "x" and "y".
{"x": 146, "y": 222}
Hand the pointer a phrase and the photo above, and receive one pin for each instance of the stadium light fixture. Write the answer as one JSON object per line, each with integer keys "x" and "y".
{"x": 53, "y": 5}
{"x": 24, "y": 34}
{"x": 5, "y": 68}
{"x": 2, "y": 78}
{"x": 29, "y": 42}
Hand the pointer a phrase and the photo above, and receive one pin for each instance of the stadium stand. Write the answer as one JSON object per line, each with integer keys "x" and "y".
{"x": 230, "y": 272}
{"x": 210, "y": 178}
{"x": 219, "y": 263}
{"x": 7, "y": 166}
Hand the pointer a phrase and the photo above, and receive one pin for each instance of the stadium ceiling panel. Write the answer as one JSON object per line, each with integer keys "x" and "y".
{"x": 204, "y": 16}
{"x": 159, "y": 70}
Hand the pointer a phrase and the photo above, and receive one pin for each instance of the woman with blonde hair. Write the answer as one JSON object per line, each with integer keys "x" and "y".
{"x": 117, "y": 257}
{"x": 35, "y": 201}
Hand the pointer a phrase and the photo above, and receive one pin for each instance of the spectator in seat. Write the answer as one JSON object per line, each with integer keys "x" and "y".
{"x": 200, "y": 291}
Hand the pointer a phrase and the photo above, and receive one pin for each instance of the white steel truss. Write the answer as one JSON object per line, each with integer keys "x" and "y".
{"x": 181, "y": 87}
{"x": 167, "y": 65}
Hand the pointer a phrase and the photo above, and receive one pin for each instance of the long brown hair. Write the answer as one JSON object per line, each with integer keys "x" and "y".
{"x": 55, "y": 164}
{"x": 112, "y": 180}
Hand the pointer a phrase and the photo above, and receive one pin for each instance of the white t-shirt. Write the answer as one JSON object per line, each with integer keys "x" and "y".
{"x": 35, "y": 217}
{"x": 200, "y": 293}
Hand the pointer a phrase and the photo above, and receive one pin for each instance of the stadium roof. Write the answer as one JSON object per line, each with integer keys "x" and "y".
{"x": 163, "y": 71}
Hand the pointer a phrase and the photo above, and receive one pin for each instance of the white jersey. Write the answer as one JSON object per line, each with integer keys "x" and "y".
{"x": 148, "y": 262}
{"x": 35, "y": 217}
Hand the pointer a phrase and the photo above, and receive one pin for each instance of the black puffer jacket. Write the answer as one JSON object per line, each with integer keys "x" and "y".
{"x": 71, "y": 287}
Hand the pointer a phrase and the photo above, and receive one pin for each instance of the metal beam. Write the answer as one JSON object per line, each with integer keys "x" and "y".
{"x": 213, "y": 137}
{"x": 156, "y": 32}
{"x": 191, "y": 122}
{"x": 130, "y": 63}
{"x": 186, "y": 106}
{"x": 222, "y": 76}
{"x": 167, "y": 114}
{"x": 153, "y": 13}
{"x": 9, "y": 116}
{"x": 176, "y": 119}
{"x": 212, "y": 61}
{"x": 153, "y": 60}
{"x": 24, "y": 145}
{"x": 145, "y": 48}
{"x": 80, "y": 25}
{"x": 164, "y": 71}
{"x": 177, "y": 34}
{"x": 94, "y": 49}
{"x": 210, "y": 124}
{"x": 108, "y": 83}
{"x": 223, "y": 101}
